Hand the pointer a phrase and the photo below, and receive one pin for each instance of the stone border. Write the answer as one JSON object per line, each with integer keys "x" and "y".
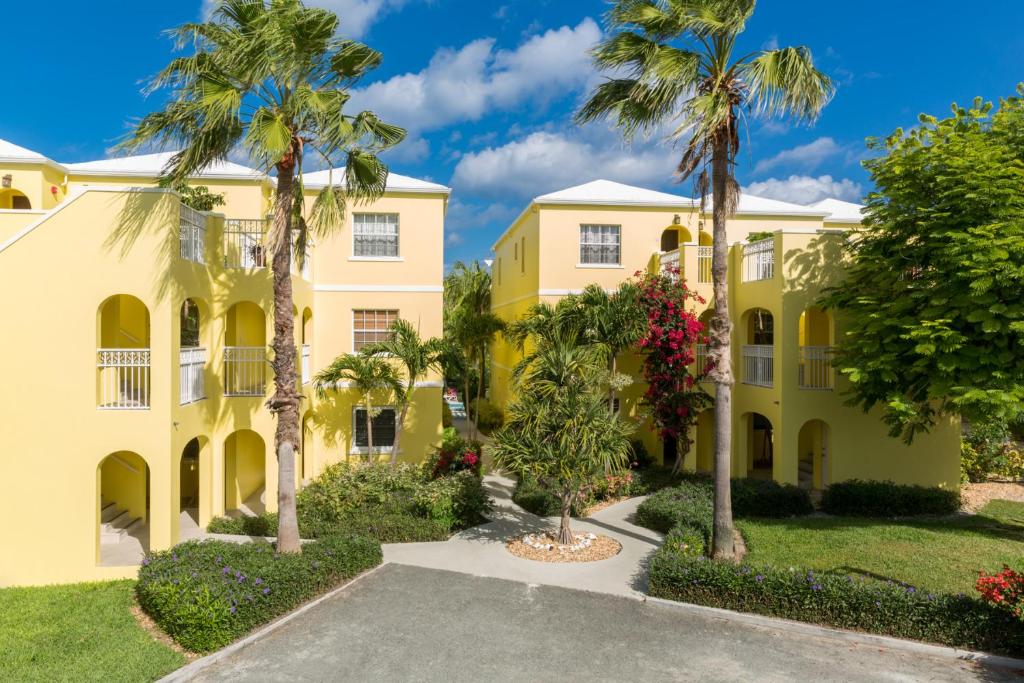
{"x": 189, "y": 671}
{"x": 856, "y": 637}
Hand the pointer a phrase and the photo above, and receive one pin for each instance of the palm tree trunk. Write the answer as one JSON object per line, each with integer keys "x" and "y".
{"x": 401, "y": 424}
{"x": 285, "y": 401}
{"x": 480, "y": 387}
{"x": 369, "y": 430}
{"x": 720, "y": 353}
{"x": 565, "y": 536}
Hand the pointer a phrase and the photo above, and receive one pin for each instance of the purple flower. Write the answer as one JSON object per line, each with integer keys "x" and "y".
{"x": 233, "y": 609}
{"x": 146, "y": 561}
{"x": 759, "y": 578}
{"x": 258, "y": 581}
{"x": 266, "y": 591}
{"x": 217, "y": 559}
{"x": 911, "y": 589}
{"x": 877, "y": 603}
{"x": 816, "y": 587}
{"x": 174, "y": 556}
{"x": 226, "y": 570}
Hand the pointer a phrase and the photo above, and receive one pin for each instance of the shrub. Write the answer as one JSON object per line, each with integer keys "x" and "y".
{"x": 840, "y": 601}
{"x": 487, "y": 416}
{"x": 446, "y": 415}
{"x": 987, "y": 451}
{"x": 766, "y": 498}
{"x": 689, "y": 504}
{"x": 1005, "y": 590}
{"x": 639, "y": 458}
{"x": 686, "y": 541}
{"x": 455, "y": 454}
{"x": 205, "y": 594}
{"x": 263, "y": 525}
{"x": 857, "y": 498}
{"x": 455, "y": 502}
{"x": 529, "y": 495}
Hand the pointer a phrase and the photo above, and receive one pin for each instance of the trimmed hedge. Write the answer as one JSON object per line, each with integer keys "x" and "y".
{"x": 381, "y": 523}
{"x": 766, "y": 498}
{"x": 856, "y": 498}
{"x": 840, "y": 601}
{"x": 206, "y": 594}
{"x": 529, "y": 495}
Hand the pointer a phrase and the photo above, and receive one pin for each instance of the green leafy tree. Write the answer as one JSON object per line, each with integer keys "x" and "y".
{"x": 199, "y": 197}
{"x": 417, "y": 358}
{"x": 674, "y": 63}
{"x": 367, "y": 375}
{"x": 933, "y": 302}
{"x": 558, "y": 429}
{"x": 272, "y": 77}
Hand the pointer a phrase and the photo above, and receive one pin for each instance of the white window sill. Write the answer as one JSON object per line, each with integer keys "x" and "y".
{"x": 607, "y": 266}
{"x": 388, "y": 259}
{"x": 377, "y": 450}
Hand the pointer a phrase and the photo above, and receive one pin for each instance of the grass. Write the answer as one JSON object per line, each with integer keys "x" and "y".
{"x": 81, "y": 632}
{"x": 937, "y": 554}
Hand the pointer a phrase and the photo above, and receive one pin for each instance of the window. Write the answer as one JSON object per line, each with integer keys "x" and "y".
{"x": 375, "y": 235}
{"x": 383, "y": 429}
{"x": 370, "y": 327}
{"x": 600, "y": 244}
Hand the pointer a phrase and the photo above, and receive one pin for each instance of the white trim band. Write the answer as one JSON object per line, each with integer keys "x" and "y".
{"x": 423, "y": 289}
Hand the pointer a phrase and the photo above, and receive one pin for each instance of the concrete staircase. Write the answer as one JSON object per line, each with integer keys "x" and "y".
{"x": 805, "y": 475}
{"x": 116, "y": 523}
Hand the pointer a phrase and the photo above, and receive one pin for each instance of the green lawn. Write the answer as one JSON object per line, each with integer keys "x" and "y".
{"x": 82, "y": 632}
{"x": 940, "y": 555}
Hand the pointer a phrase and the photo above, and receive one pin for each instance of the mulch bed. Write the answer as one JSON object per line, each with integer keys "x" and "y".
{"x": 601, "y": 548}
{"x": 977, "y": 496}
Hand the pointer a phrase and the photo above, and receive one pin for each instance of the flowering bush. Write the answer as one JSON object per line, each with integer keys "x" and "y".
{"x": 1004, "y": 590}
{"x": 668, "y": 348}
{"x": 454, "y": 455}
{"x": 988, "y": 450}
{"x": 205, "y": 594}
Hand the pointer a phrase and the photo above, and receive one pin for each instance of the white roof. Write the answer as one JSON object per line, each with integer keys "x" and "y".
{"x": 396, "y": 182}
{"x": 612, "y": 193}
{"x": 840, "y": 211}
{"x": 152, "y": 165}
{"x": 753, "y": 205}
{"x": 11, "y": 151}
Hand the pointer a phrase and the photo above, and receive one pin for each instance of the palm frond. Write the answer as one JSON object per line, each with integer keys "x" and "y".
{"x": 785, "y": 82}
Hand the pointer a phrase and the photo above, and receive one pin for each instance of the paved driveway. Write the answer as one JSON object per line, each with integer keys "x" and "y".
{"x": 404, "y": 623}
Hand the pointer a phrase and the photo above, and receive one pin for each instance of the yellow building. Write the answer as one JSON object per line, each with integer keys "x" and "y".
{"x": 789, "y": 418}
{"x": 135, "y": 346}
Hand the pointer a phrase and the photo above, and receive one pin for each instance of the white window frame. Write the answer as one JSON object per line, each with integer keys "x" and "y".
{"x": 599, "y": 264}
{"x": 363, "y": 329}
{"x": 398, "y": 237}
{"x": 377, "y": 450}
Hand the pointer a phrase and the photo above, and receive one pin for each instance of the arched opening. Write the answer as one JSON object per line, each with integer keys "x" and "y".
{"x": 245, "y": 350}
{"x": 760, "y": 446}
{"x": 15, "y": 200}
{"x": 815, "y": 340}
{"x": 813, "y": 443}
{"x": 192, "y": 353}
{"x": 245, "y": 474}
{"x": 122, "y": 528}
{"x": 674, "y": 236}
{"x": 758, "y": 351}
{"x": 194, "y": 499}
{"x": 706, "y": 441}
{"x": 701, "y": 352}
{"x": 123, "y": 356}
{"x": 304, "y": 466}
{"x": 704, "y": 237}
{"x": 306, "y": 350}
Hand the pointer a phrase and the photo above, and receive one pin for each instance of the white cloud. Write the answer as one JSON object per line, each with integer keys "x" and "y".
{"x": 546, "y": 161}
{"x": 802, "y": 189}
{"x": 467, "y": 83}
{"x": 357, "y": 16}
{"x": 462, "y": 218}
{"x": 808, "y": 156}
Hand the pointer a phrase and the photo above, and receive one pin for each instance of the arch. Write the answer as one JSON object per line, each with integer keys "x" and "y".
{"x": 815, "y": 328}
{"x": 758, "y": 327}
{"x": 15, "y": 199}
{"x": 704, "y": 237}
{"x": 123, "y": 357}
{"x": 814, "y": 338}
{"x": 194, "y": 492}
{"x": 304, "y": 466}
{"x": 757, "y": 330}
{"x": 194, "y": 320}
{"x": 307, "y": 325}
{"x": 760, "y": 455}
{"x": 814, "y": 451}
{"x": 706, "y": 441}
{"x": 673, "y": 236}
{"x": 122, "y": 509}
{"x": 246, "y": 325}
{"x": 245, "y": 473}
{"x": 245, "y": 350}
{"x": 122, "y": 323}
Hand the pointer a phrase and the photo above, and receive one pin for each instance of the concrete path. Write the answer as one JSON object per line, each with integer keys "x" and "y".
{"x": 480, "y": 551}
{"x": 404, "y": 623}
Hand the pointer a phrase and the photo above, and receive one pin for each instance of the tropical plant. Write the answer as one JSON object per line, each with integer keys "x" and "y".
{"x": 199, "y": 197}
{"x": 366, "y": 374}
{"x": 673, "y": 63}
{"x": 417, "y": 357}
{"x": 559, "y": 431}
{"x": 932, "y": 299}
{"x": 272, "y": 78}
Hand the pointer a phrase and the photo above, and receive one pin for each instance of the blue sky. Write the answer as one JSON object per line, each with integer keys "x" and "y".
{"x": 487, "y": 89}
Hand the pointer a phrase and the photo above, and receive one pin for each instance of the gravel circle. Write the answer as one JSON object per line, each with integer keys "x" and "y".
{"x": 600, "y": 548}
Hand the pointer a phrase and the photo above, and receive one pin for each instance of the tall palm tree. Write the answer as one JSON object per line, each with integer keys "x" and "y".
{"x": 367, "y": 375}
{"x": 674, "y": 63}
{"x": 272, "y": 77}
{"x": 417, "y": 357}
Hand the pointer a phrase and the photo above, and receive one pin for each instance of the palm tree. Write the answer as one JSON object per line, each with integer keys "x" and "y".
{"x": 674, "y": 63}
{"x": 272, "y": 77}
{"x": 368, "y": 375}
{"x": 417, "y": 356}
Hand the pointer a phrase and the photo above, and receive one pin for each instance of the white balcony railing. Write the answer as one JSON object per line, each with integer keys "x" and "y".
{"x": 307, "y": 363}
{"x": 758, "y": 365}
{"x": 816, "y": 368}
{"x": 193, "y": 374}
{"x": 123, "y": 379}
{"x": 245, "y": 371}
{"x": 704, "y": 255}
{"x": 192, "y": 235}
{"x": 702, "y": 359}
{"x": 245, "y": 243}
{"x": 670, "y": 262}
{"x": 759, "y": 260}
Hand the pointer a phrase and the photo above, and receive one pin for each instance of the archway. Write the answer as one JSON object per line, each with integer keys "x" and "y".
{"x": 701, "y": 352}
{"x": 192, "y": 354}
{"x": 306, "y": 350}
{"x": 706, "y": 441}
{"x": 123, "y": 356}
{"x": 814, "y": 443}
{"x": 304, "y": 466}
{"x": 245, "y": 474}
{"x": 194, "y": 494}
{"x": 122, "y": 506}
{"x": 758, "y": 350}
{"x": 760, "y": 446}
{"x": 814, "y": 336}
{"x": 245, "y": 350}
{"x": 15, "y": 200}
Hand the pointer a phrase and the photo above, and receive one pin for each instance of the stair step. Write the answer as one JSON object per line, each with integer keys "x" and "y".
{"x": 114, "y": 534}
{"x": 120, "y": 520}
{"x": 108, "y": 512}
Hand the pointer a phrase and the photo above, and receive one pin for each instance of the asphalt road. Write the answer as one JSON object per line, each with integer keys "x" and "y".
{"x": 405, "y": 623}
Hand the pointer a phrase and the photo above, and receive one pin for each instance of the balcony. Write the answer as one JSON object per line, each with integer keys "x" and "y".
{"x": 245, "y": 243}
{"x": 815, "y": 372}
{"x": 702, "y": 360}
{"x": 192, "y": 235}
{"x": 307, "y": 363}
{"x": 123, "y": 379}
{"x": 704, "y": 256}
{"x": 192, "y": 374}
{"x": 670, "y": 262}
{"x": 245, "y": 371}
{"x": 758, "y": 365}
{"x": 759, "y": 260}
